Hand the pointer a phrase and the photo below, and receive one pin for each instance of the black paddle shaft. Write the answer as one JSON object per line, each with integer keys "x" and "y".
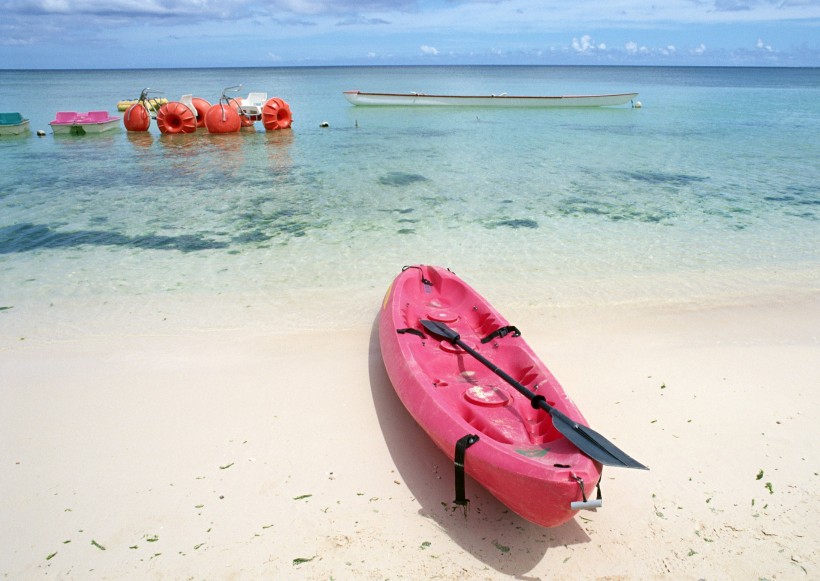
{"x": 538, "y": 401}
{"x": 585, "y": 438}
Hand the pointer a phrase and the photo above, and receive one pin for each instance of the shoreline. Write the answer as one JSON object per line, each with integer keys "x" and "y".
{"x": 254, "y": 450}
{"x": 278, "y": 309}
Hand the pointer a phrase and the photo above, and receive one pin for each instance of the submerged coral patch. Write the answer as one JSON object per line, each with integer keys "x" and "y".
{"x": 29, "y": 237}
{"x": 262, "y": 224}
{"x": 251, "y": 237}
{"x": 574, "y": 207}
{"x": 515, "y": 223}
{"x": 400, "y": 178}
{"x": 796, "y": 196}
{"x": 661, "y": 178}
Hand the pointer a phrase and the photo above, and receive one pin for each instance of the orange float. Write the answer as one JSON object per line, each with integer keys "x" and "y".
{"x": 276, "y": 114}
{"x": 222, "y": 118}
{"x": 176, "y": 117}
{"x": 201, "y": 106}
{"x": 136, "y": 117}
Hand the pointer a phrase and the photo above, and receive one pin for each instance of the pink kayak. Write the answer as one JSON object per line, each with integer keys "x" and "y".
{"x": 491, "y": 430}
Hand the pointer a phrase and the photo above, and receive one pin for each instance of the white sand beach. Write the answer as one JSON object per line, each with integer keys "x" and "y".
{"x": 248, "y": 452}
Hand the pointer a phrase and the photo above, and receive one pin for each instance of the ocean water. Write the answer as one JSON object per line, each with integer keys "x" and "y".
{"x": 708, "y": 192}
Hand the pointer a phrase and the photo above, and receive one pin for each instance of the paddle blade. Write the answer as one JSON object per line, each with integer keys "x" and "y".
{"x": 592, "y": 443}
{"x": 440, "y": 329}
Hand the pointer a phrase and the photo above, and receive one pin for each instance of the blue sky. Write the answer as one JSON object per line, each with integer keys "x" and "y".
{"x": 195, "y": 33}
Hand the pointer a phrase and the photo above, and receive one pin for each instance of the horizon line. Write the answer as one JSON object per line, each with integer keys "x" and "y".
{"x": 385, "y": 66}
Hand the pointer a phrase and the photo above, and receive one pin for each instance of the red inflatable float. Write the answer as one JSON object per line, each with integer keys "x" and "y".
{"x": 276, "y": 114}
{"x": 201, "y": 106}
{"x": 136, "y": 117}
{"x": 176, "y": 117}
{"x": 222, "y": 118}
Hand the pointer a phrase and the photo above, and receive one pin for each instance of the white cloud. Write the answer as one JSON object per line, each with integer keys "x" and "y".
{"x": 633, "y": 48}
{"x": 760, "y": 45}
{"x": 586, "y": 45}
{"x": 501, "y": 31}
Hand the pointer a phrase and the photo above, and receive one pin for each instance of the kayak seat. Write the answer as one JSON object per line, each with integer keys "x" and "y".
{"x": 515, "y": 423}
{"x": 453, "y": 290}
{"x": 492, "y": 423}
{"x": 412, "y": 319}
{"x": 527, "y": 376}
{"x": 540, "y": 428}
{"x": 485, "y": 324}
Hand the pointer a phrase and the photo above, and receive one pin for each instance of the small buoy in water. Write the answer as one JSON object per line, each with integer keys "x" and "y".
{"x": 636, "y": 105}
{"x": 41, "y": 133}
{"x": 324, "y": 124}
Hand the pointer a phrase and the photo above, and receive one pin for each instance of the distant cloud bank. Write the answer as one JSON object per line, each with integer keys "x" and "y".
{"x": 70, "y": 33}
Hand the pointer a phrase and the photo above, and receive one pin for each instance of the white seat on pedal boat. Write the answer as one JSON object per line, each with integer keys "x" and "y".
{"x": 254, "y": 103}
{"x": 188, "y": 101}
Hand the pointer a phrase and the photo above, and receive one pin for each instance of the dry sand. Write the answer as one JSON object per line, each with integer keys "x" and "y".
{"x": 248, "y": 453}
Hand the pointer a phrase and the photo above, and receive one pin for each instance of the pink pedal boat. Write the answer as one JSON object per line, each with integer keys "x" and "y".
{"x": 487, "y": 401}
{"x": 73, "y": 123}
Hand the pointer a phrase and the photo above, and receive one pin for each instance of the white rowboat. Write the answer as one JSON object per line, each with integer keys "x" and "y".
{"x": 504, "y": 100}
{"x": 13, "y": 124}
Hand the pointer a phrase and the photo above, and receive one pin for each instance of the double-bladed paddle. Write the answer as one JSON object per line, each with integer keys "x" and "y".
{"x": 585, "y": 438}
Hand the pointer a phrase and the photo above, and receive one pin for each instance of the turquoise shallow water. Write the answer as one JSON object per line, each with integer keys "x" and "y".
{"x": 709, "y": 191}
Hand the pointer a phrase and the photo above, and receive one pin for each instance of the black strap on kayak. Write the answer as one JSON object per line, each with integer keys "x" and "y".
{"x": 502, "y": 332}
{"x": 461, "y": 451}
{"x": 411, "y": 331}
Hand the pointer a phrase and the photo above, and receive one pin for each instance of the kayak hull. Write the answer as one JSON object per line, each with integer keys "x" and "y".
{"x": 519, "y": 457}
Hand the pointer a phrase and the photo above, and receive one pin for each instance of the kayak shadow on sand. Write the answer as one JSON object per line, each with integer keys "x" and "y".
{"x": 488, "y": 530}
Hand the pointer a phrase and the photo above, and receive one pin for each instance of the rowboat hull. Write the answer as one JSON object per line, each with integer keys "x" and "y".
{"x": 13, "y": 124}
{"x": 520, "y": 457}
{"x": 423, "y": 100}
{"x": 16, "y": 129}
